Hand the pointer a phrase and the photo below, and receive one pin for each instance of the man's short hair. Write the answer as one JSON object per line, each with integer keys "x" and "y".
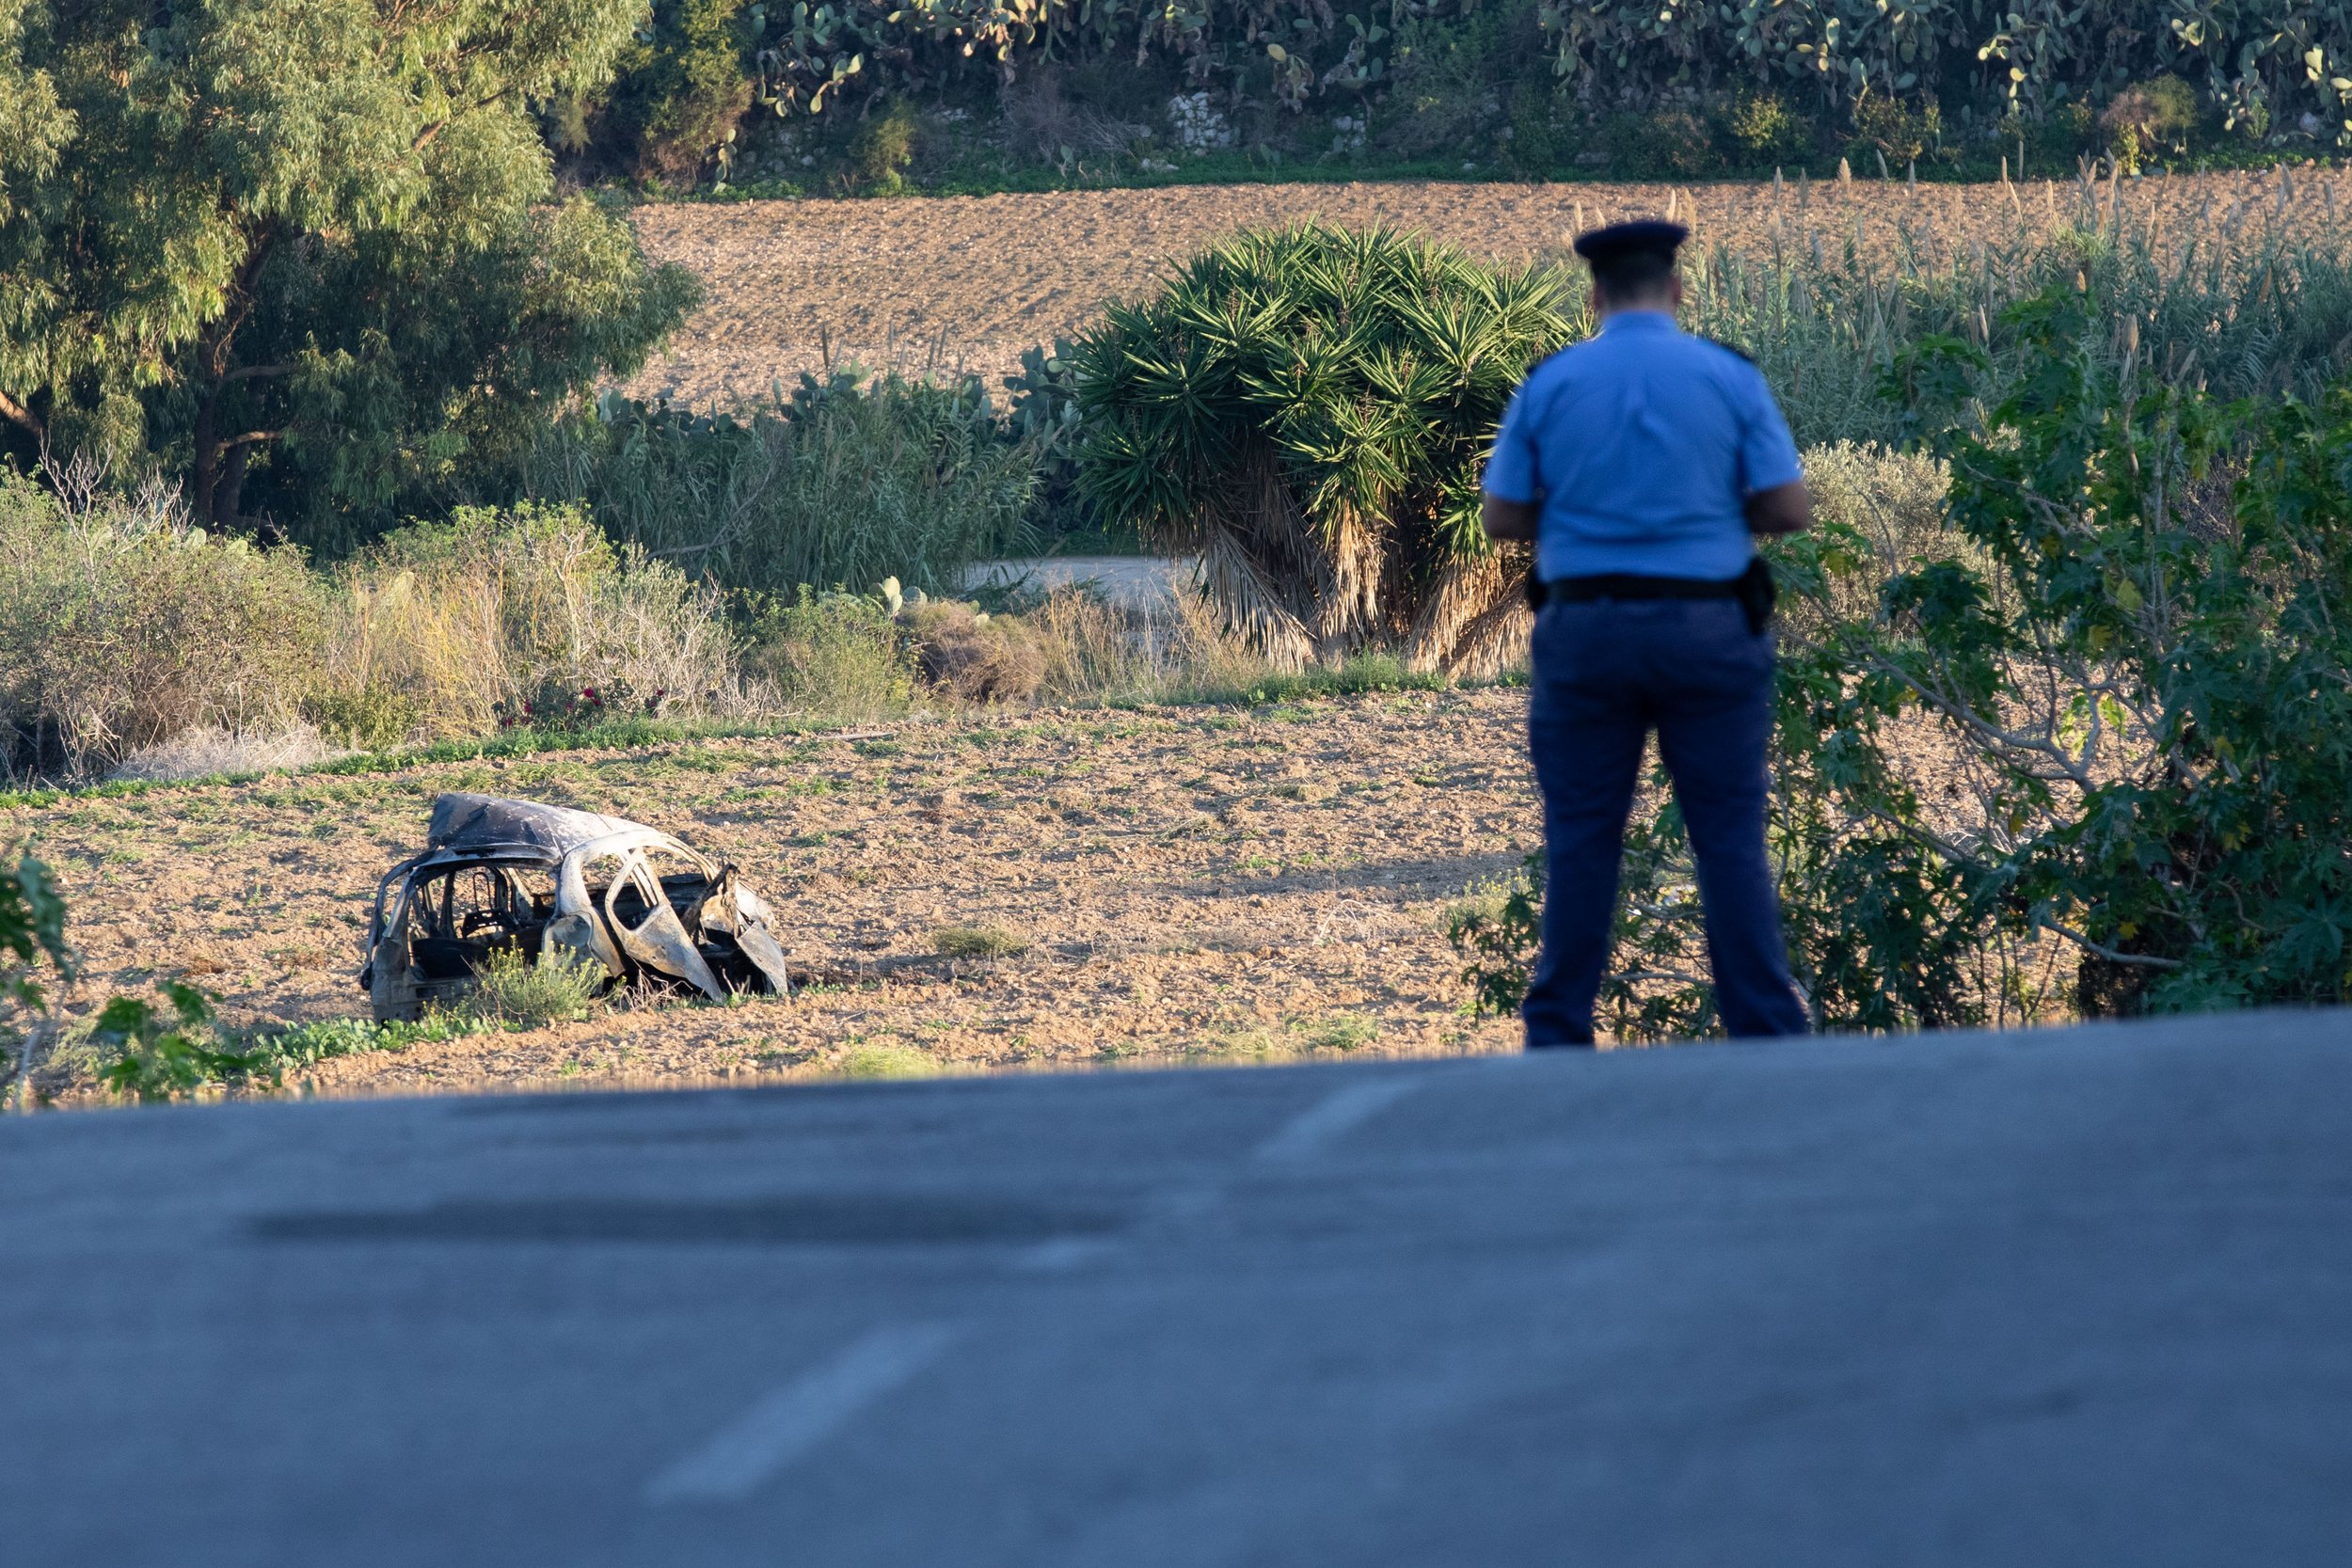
{"x": 1627, "y": 273}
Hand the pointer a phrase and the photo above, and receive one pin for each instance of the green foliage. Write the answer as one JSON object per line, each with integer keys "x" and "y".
{"x": 1307, "y": 411}
{"x": 32, "y": 932}
{"x": 1763, "y": 129}
{"x": 154, "y": 1056}
{"x": 978, "y": 942}
{"x": 2147, "y": 118}
{"x": 837, "y": 483}
{"x": 684, "y": 82}
{"x": 2153, "y": 659}
{"x": 123, "y": 627}
{"x": 307, "y": 257}
{"x": 2256, "y": 63}
{"x": 1497, "y": 930}
{"x": 832, "y": 653}
{"x": 32, "y": 929}
{"x": 159, "y": 1056}
{"x": 282, "y": 1052}
{"x": 519, "y": 992}
{"x": 885, "y": 146}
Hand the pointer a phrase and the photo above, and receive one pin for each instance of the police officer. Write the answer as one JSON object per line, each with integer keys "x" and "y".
{"x": 1641, "y": 464}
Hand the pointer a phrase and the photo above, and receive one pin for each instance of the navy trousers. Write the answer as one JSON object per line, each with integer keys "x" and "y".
{"x": 1606, "y": 674}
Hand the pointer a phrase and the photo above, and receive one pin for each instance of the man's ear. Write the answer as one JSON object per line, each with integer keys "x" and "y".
{"x": 1674, "y": 288}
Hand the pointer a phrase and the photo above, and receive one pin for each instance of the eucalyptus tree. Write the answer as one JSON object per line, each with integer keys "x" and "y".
{"x": 303, "y": 251}
{"x": 1307, "y": 410}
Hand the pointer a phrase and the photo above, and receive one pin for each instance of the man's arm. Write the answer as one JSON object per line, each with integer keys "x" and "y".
{"x": 1783, "y": 509}
{"x": 1509, "y": 522}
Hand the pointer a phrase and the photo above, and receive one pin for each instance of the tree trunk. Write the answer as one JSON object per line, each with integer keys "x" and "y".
{"x": 220, "y": 463}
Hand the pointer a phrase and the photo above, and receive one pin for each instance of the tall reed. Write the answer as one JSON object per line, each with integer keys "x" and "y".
{"x": 2242, "y": 304}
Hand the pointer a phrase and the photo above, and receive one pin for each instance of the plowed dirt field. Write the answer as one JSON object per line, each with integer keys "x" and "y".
{"x": 969, "y": 282}
{"x": 1195, "y": 884}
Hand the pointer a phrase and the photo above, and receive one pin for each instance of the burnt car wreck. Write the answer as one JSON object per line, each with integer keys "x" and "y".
{"x": 548, "y": 883}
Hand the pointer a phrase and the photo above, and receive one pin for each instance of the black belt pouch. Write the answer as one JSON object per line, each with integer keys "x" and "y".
{"x": 1757, "y": 594}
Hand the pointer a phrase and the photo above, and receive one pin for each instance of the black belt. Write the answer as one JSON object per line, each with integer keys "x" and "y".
{"x": 1753, "y": 588}
{"x": 1629, "y": 585}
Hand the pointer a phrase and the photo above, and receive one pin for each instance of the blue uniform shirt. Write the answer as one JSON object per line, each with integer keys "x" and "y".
{"x": 1642, "y": 443}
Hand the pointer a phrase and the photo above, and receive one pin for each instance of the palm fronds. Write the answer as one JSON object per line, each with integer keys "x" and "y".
{"x": 1307, "y": 409}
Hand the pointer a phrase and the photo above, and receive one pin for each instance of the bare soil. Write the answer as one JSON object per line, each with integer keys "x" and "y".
{"x": 1194, "y": 885}
{"x": 917, "y": 283}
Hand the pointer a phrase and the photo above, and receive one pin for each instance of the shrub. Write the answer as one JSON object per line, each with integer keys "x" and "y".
{"x": 528, "y": 616}
{"x": 1307, "y": 411}
{"x": 975, "y": 656}
{"x": 2148, "y": 118}
{"x": 32, "y": 932}
{"x": 1765, "y": 129}
{"x": 156, "y": 1056}
{"x": 123, "y": 627}
{"x": 1496, "y": 928}
{"x": 2160, "y": 694}
{"x": 978, "y": 942}
{"x": 1097, "y": 651}
{"x": 841, "y": 654}
{"x": 519, "y": 992}
{"x": 884, "y": 149}
{"x": 836, "y": 484}
{"x": 684, "y": 82}
{"x": 1670, "y": 143}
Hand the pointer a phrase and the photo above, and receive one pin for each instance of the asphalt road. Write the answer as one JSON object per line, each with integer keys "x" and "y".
{"x": 2076, "y": 1298}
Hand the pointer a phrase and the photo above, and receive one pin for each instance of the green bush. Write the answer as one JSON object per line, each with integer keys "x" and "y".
{"x": 1669, "y": 144}
{"x": 123, "y": 627}
{"x": 154, "y": 1055}
{"x": 2158, "y": 678}
{"x": 2148, "y": 118}
{"x": 32, "y": 933}
{"x": 837, "y": 484}
{"x": 527, "y": 615}
{"x": 519, "y": 992}
{"x": 1307, "y": 411}
{"x": 684, "y": 82}
{"x": 885, "y": 147}
{"x": 841, "y": 654}
{"x": 1763, "y": 129}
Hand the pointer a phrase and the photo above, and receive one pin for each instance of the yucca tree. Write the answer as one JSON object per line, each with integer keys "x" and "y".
{"x": 1307, "y": 410}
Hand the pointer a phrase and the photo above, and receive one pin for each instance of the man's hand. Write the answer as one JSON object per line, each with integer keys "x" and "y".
{"x": 1509, "y": 522}
{"x": 1783, "y": 509}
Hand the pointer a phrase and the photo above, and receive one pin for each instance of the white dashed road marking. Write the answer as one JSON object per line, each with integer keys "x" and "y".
{"x": 1340, "y": 1111}
{"x": 751, "y": 1448}
{"x": 1302, "y": 1138}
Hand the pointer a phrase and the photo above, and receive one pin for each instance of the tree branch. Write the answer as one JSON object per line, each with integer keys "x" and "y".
{"x": 249, "y": 372}
{"x": 17, "y": 413}
{"x": 2147, "y": 961}
{"x": 249, "y": 438}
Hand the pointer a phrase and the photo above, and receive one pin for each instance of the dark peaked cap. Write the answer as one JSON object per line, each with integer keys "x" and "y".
{"x": 1619, "y": 238}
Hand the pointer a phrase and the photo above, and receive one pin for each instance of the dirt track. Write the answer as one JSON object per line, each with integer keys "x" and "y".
{"x": 971, "y": 281}
{"x": 1198, "y": 885}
